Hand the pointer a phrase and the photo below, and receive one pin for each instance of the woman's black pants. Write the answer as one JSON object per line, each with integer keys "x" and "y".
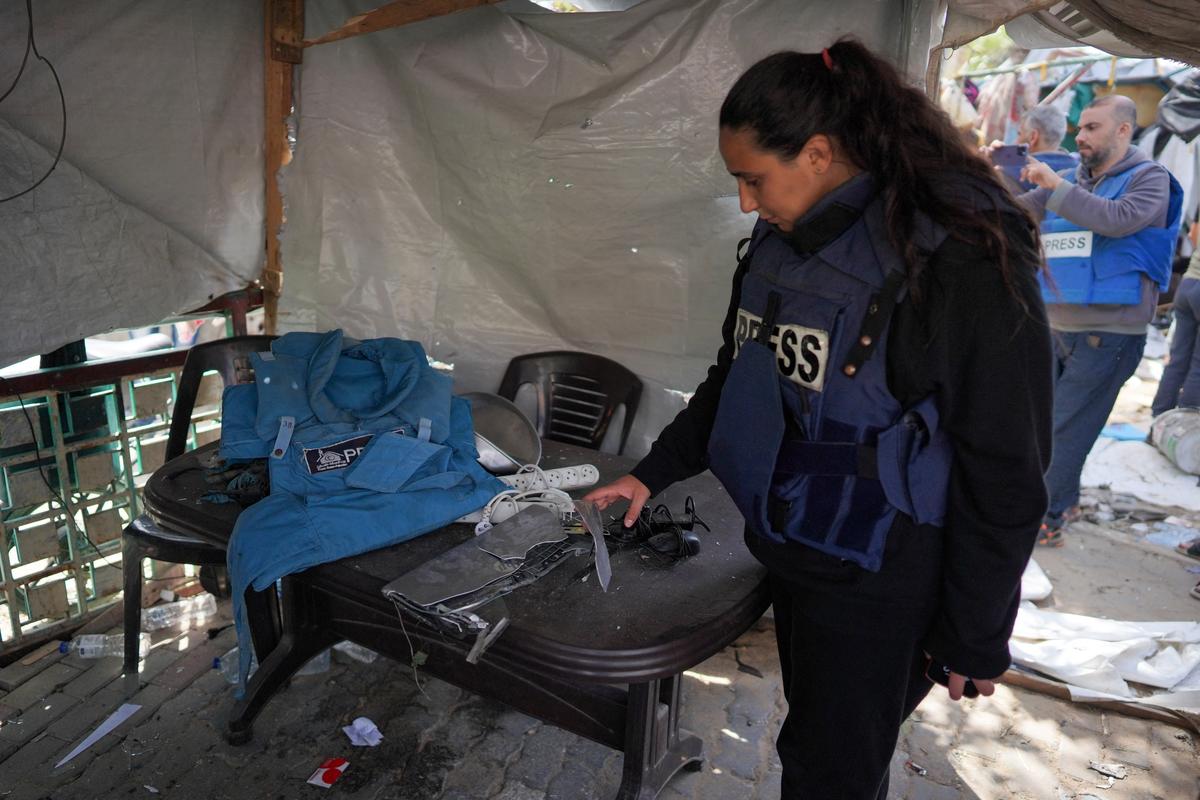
{"x": 853, "y": 669}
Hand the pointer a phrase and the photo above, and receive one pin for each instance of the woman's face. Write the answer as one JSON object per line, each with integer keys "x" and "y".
{"x": 780, "y": 191}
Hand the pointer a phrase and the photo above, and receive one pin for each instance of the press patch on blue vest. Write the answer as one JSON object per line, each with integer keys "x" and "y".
{"x": 801, "y": 353}
{"x": 338, "y": 455}
{"x": 1068, "y": 244}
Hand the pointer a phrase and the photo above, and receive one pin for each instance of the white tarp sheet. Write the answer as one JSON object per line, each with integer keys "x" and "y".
{"x": 508, "y": 180}
{"x": 1138, "y": 469}
{"x": 157, "y": 203}
{"x": 1101, "y": 654}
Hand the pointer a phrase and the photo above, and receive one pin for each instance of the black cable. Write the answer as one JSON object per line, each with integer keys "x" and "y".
{"x": 37, "y": 451}
{"x": 24, "y": 59}
{"x": 62, "y": 140}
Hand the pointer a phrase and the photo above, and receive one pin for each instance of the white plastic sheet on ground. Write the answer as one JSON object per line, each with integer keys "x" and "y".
{"x": 1034, "y": 583}
{"x": 1138, "y": 469}
{"x": 157, "y": 202}
{"x": 507, "y": 180}
{"x": 1101, "y": 655}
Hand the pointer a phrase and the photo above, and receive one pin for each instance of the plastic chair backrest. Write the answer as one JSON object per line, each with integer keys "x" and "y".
{"x": 231, "y": 360}
{"x": 577, "y": 394}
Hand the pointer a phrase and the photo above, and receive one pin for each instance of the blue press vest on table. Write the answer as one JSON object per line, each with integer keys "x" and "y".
{"x": 366, "y": 448}
{"x": 1088, "y": 268}
{"x": 809, "y": 453}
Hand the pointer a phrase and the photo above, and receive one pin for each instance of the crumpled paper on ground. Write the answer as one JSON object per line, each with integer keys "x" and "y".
{"x": 363, "y": 733}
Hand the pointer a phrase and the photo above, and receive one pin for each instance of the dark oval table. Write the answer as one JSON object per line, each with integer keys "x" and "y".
{"x": 602, "y": 665}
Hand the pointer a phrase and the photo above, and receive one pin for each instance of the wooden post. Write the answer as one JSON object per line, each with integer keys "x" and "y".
{"x": 283, "y": 34}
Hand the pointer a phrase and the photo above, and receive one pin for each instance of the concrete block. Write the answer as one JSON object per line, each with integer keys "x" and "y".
{"x": 153, "y": 452}
{"x": 104, "y": 526}
{"x": 196, "y": 661}
{"x": 94, "y": 471}
{"x": 120, "y": 742}
{"x": 475, "y": 776}
{"x": 541, "y": 758}
{"x": 99, "y": 673}
{"x": 23, "y": 669}
{"x": 45, "y": 683}
{"x": 35, "y": 718}
{"x": 106, "y": 580}
{"x": 153, "y": 399}
{"x": 91, "y": 710}
{"x": 26, "y": 487}
{"x": 47, "y": 600}
{"x": 37, "y": 542}
{"x": 43, "y": 749}
{"x": 14, "y": 426}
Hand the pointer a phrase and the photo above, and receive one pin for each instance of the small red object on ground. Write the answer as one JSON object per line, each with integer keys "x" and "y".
{"x": 329, "y": 772}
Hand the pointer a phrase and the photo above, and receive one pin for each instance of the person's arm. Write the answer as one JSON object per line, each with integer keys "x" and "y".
{"x": 994, "y": 359}
{"x": 1035, "y": 201}
{"x": 1142, "y": 204}
{"x": 681, "y": 450}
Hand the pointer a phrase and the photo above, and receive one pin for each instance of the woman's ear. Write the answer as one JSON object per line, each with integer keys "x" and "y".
{"x": 818, "y": 152}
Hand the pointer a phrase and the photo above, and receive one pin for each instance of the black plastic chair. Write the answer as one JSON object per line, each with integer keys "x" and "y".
{"x": 143, "y": 538}
{"x": 577, "y": 394}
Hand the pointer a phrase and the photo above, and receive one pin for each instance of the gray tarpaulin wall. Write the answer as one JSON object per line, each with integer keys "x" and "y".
{"x": 157, "y": 203}
{"x": 508, "y": 180}
{"x": 490, "y": 183}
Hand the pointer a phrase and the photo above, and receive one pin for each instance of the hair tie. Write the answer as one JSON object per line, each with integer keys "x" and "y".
{"x": 828, "y": 59}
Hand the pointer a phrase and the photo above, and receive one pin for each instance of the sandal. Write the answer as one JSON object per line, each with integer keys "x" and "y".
{"x": 1191, "y": 548}
{"x": 1050, "y": 537}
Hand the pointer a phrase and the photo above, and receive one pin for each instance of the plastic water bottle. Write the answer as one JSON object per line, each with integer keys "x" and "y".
{"x": 356, "y": 652}
{"x": 187, "y": 613}
{"x": 97, "y": 645}
{"x": 228, "y": 665}
{"x": 1176, "y": 433}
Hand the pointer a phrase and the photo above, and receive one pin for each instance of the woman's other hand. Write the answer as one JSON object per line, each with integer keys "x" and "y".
{"x": 958, "y": 682}
{"x": 623, "y": 488}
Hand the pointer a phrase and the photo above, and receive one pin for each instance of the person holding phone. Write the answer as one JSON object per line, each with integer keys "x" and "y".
{"x": 1040, "y": 135}
{"x": 879, "y": 409}
{"x": 1108, "y": 230}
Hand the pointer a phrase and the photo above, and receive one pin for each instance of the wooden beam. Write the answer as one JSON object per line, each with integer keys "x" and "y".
{"x": 285, "y": 21}
{"x": 283, "y": 31}
{"x": 395, "y": 14}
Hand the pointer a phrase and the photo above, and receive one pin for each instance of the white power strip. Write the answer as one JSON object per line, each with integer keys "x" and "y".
{"x": 530, "y": 479}
{"x": 561, "y": 478}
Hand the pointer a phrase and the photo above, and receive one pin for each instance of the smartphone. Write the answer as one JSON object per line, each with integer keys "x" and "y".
{"x": 1011, "y": 156}
{"x": 938, "y": 672}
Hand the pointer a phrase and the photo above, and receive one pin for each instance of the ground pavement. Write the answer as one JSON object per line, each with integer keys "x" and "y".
{"x": 440, "y": 742}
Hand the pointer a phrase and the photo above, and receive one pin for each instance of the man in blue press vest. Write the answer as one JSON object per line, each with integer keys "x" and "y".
{"x": 1042, "y": 129}
{"x": 1108, "y": 232}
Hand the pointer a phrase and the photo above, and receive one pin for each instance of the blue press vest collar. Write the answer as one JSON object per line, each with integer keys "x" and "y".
{"x": 395, "y": 360}
{"x": 401, "y": 384}
{"x": 831, "y": 216}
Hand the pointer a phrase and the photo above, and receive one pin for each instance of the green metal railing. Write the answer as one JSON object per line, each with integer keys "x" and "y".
{"x": 72, "y": 463}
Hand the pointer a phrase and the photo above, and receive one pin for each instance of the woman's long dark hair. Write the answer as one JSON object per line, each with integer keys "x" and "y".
{"x": 891, "y": 130}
